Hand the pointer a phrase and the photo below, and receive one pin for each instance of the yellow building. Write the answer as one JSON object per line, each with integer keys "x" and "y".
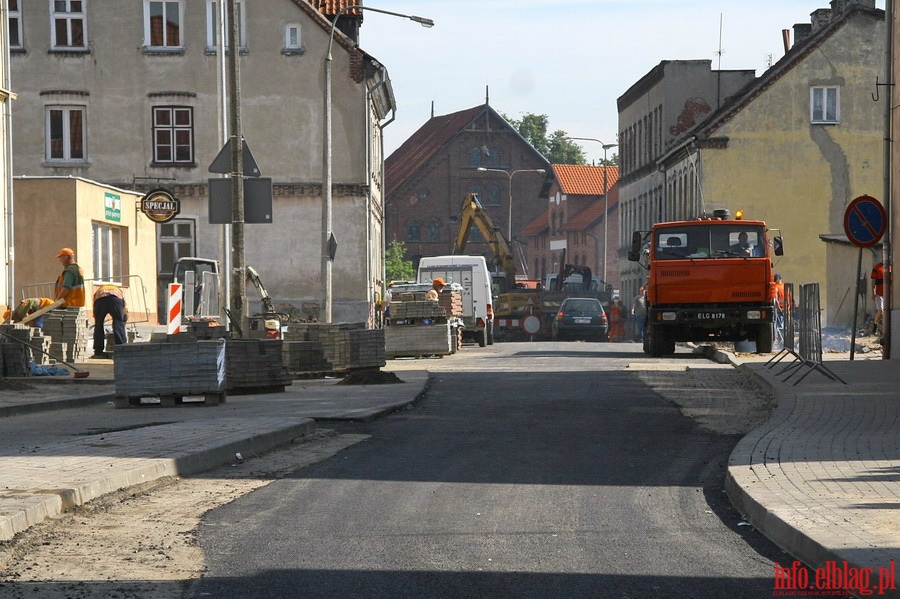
{"x": 794, "y": 148}
{"x": 112, "y": 239}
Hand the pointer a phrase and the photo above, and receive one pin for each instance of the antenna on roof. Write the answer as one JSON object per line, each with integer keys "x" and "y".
{"x": 720, "y": 51}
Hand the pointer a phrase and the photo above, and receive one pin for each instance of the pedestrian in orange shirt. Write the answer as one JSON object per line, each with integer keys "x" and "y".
{"x": 616, "y": 321}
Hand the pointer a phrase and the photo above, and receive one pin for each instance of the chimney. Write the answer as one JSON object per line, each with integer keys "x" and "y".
{"x": 786, "y": 38}
{"x": 801, "y": 32}
{"x": 820, "y": 18}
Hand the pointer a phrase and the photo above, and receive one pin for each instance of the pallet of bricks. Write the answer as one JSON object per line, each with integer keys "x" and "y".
{"x": 183, "y": 366}
{"x": 419, "y": 327}
{"x": 318, "y": 349}
{"x": 70, "y": 334}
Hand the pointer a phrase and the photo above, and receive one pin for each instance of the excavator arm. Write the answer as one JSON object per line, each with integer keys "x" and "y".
{"x": 472, "y": 213}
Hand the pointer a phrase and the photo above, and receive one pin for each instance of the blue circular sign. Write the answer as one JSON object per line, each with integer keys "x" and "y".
{"x": 865, "y": 221}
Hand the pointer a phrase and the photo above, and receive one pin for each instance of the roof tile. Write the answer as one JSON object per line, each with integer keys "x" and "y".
{"x": 579, "y": 179}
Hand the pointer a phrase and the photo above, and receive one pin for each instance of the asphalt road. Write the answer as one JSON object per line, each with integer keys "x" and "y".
{"x": 529, "y": 470}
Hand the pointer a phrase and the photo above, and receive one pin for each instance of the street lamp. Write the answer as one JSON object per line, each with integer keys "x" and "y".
{"x": 509, "y": 176}
{"x": 328, "y": 243}
{"x": 605, "y": 199}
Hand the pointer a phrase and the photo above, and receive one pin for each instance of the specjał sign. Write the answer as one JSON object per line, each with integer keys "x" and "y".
{"x": 160, "y": 205}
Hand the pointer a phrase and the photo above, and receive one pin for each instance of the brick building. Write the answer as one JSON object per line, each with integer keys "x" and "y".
{"x": 428, "y": 176}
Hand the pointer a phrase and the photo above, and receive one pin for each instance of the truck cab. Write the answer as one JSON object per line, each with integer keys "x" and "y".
{"x": 708, "y": 279}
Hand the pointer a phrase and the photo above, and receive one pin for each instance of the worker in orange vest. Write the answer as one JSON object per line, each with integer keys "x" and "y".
{"x": 616, "y": 321}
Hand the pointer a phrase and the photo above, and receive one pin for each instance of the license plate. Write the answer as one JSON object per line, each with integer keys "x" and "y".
{"x": 711, "y": 316}
{"x": 582, "y": 320}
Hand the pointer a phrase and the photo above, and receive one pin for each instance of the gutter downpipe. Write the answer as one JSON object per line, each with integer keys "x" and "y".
{"x": 10, "y": 231}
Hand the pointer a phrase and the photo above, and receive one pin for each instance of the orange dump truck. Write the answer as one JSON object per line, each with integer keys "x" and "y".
{"x": 708, "y": 280}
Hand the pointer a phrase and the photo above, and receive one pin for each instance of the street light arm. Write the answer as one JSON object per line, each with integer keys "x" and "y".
{"x": 423, "y": 21}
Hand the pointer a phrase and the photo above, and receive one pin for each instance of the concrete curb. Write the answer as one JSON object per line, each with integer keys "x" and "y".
{"x": 141, "y": 456}
{"x": 57, "y": 404}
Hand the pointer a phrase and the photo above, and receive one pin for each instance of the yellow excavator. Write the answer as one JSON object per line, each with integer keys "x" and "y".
{"x": 512, "y": 302}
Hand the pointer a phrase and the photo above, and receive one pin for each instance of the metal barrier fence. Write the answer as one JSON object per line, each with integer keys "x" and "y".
{"x": 132, "y": 288}
{"x": 808, "y": 355}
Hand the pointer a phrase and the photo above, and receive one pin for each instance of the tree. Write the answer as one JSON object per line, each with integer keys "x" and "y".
{"x": 556, "y": 148}
{"x": 396, "y": 267}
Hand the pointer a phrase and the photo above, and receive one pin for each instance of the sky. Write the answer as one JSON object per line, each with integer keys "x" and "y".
{"x": 567, "y": 59}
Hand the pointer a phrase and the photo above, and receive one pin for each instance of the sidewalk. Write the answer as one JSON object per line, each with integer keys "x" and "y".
{"x": 45, "y": 473}
{"x": 822, "y": 477}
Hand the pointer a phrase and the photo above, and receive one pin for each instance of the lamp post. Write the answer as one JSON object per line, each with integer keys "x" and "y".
{"x": 509, "y": 176}
{"x": 605, "y": 199}
{"x": 328, "y": 244}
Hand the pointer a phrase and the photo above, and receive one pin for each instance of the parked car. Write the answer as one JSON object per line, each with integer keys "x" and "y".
{"x": 582, "y": 318}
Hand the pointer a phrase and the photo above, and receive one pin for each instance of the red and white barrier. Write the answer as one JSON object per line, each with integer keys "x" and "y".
{"x": 174, "y": 309}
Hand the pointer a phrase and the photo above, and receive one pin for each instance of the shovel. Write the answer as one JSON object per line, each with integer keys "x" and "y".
{"x": 77, "y": 372}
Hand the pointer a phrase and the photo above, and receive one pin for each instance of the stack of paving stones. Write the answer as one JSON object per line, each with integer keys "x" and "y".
{"x": 419, "y": 327}
{"x": 255, "y": 365}
{"x": 367, "y": 348}
{"x": 169, "y": 369}
{"x": 70, "y": 332}
{"x": 17, "y": 356}
{"x": 316, "y": 348}
{"x": 417, "y": 311}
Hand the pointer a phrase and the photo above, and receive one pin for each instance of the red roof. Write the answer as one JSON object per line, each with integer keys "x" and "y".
{"x": 425, "y": 143}
{"x": 579, "y": 179}
{"x": 539, "y": 225}
{"x": 593, "y": 213}
{"x": 332, "y": 7}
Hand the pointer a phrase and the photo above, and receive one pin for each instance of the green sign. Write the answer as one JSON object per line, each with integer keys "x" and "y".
{"x": 112, "y": 204}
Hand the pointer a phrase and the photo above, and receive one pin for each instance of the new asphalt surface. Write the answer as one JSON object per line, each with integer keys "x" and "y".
{"x": 821, "y": 478}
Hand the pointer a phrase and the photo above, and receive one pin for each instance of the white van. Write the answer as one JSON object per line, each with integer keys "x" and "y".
{"x": 472, "y": 274}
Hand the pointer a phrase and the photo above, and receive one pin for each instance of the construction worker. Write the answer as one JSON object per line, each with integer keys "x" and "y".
{"x": 28, "y": 306}
{"x": 70, "y": 284}
{"x": 877, "y": 277}
{"x": 434, "y": 293}
{"x": 108, "y": 299}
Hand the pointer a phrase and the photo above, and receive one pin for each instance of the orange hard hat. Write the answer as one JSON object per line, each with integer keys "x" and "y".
{"x": 65, "y": 252}
{"x": 439, "y": 281}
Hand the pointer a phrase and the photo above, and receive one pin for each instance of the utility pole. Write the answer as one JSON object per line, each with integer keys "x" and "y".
{"x": 239, "y": 310}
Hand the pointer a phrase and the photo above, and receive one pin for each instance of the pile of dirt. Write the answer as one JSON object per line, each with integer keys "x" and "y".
{"x": 370, "y": 377}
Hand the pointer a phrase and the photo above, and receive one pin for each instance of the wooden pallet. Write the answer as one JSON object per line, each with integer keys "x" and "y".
{"x": 170, "y": 400}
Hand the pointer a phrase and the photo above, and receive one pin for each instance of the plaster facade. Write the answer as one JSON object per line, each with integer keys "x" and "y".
{"x": 770, "y": 156}
{"x": 122, "y": 80}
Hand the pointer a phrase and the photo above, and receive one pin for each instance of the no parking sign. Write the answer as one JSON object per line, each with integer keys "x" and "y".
{"x": 865, "y": 221}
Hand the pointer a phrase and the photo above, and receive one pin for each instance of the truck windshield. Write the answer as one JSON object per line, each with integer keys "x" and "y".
{"x": 710, "y": 242}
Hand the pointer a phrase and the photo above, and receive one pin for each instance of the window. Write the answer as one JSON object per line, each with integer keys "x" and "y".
{"x": 65, "y": 133}
{"x": 475, "y": 157}
{"x": 825, "y": 104}
{"x": 67, "y": 23}
{"x": 434, "y": 230}
{"x": 15, "y": 23}
{"x": 106, "y": 242}
{"x": 491, "y": 156}
{"x": 212, "y": 24}
{"x": 292, "y": 39}
{"x": 162, "y": 24}
{"x": 414, "y": 231}
{"x": 173, "y": 135}
{"x": 176, "y": 240}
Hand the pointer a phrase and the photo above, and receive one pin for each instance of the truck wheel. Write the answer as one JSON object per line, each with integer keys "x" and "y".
{"x": 490, "y": 337}
{"x": 764, "y": 339}
{"x": 659, "y": 343}
{"x": 483, "y": 338}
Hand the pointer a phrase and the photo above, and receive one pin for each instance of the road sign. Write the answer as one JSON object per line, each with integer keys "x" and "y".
{"x": 531, "y": 324}
{"x": 865, "y": 221}
{"x": 222, "y": 163}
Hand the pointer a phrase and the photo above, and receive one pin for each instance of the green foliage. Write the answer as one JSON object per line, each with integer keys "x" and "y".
{"x": 396, "y": 266}
{"x": 556, "y": 148}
